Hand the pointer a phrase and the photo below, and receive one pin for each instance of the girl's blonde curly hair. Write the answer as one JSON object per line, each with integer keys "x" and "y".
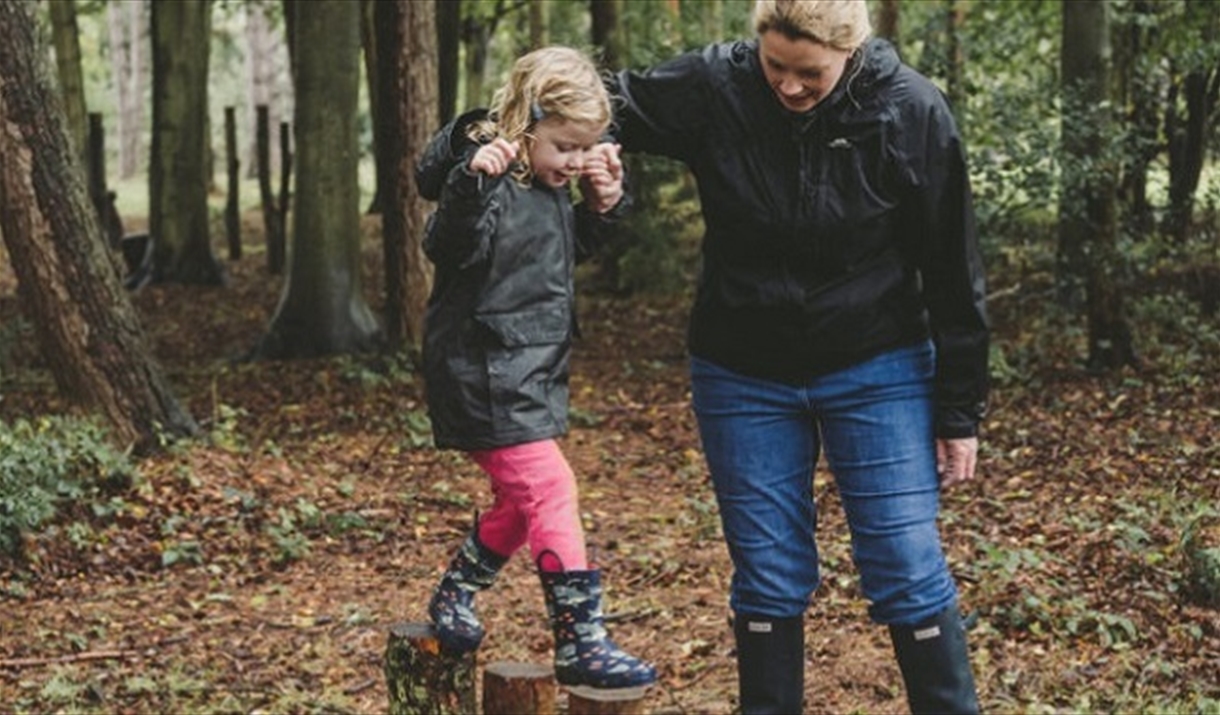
{"x": 549, "y": 82}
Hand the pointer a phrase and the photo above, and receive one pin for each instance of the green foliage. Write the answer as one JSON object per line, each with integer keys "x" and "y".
{"x": 49, "y": 463}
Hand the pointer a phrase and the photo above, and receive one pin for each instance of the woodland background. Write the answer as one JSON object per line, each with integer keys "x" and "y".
{"x": 217, "y": 488}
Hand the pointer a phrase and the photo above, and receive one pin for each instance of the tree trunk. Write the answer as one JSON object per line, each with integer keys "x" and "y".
{"x": 410, "y": 53}
{"x": 475, "y": 35}
{"x": 69, "y": 287}
{"x": 66, "y": 36}
{"x": 888, "y": 16}
{"x": 955, "y": 60}
{"x": 607, "y": 33}
{"x": 125, "y": 22}
{"x": 1187, "y": 137}
{"x": 178, "y": 176}
{"x": 1138, "y": 94}
{"x": 373, "y": 47}
{"x": 448, "y": 41}
{"x": 1187, "y": 133}
{"x": 262, "y": 72}
{"x": 538, "y": 23}
{"x": 1088, "y": 226}
{"x": 323, "y": 310}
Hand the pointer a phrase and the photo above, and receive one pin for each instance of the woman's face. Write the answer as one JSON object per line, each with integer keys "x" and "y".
{"x": 801, "y": 72}
{"x": 559, "y": 149}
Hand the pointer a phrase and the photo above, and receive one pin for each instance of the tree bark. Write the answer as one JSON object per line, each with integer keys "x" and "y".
{"x": 1088, "y": 225}
{"x": 66, "y": 36}
{"x": 888, "y": 15}
{"x": 323, "y": 310}
{"x": 373, "y": 47}
{"x": 420, "y": 678}
{"x": 1187, "y": 133}
{"x": 262, "y": 86}
{"x": 69, "y": 286}
{"x": 409, "y": 86}
{"x": 448, "y": 41}
{"x": 538, "y": 20}
{"x": 178, "y": 176}
{"x": 606, "y": 31}
{"x": 125, "y": 22}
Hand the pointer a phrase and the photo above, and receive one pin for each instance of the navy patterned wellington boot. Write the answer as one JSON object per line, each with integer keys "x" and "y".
{"x": 584, "y": 653}
{"x": 451, "y": 609}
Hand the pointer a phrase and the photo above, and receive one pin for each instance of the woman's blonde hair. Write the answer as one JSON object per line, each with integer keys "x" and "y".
{"x": 550, "y": 82}
{"x": 840, "y": 24}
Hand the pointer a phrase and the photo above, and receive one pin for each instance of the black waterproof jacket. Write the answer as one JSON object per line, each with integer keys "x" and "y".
{"x": 500, "y": 320}
{"x": 832, "y": 235}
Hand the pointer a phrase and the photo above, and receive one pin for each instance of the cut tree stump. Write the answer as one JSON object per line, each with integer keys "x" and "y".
{"x": 605, "y": 701}
{"x": 422, "y": 680}
{"x": 519, "y": 689}
{"x": 1201, "y": 550}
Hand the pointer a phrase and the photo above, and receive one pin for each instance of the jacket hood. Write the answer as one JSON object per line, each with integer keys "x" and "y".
{"x": 443, "y": 153}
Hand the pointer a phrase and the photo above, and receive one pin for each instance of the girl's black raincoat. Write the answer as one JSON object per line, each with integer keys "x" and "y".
{"x": 501, "y": 318}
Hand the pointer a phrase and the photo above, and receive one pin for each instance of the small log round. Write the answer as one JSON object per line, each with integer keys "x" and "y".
{"x": 606, "y": 701}
{"x": 423, "y": 680}
{"x": 519, "y": 689}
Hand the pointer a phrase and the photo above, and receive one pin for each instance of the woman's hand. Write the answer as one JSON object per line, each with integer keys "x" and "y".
{"x": 956, "y": 460}
{"x": 601, "y": 181}
{"x": 494, "y": 158}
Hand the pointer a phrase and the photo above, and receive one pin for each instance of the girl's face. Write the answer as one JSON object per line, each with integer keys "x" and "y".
{"x": 560, "y": 148}
{"x": 801, "y": 72}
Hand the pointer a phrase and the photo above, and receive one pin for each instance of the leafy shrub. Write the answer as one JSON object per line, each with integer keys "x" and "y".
{"x": 49, "y": 463}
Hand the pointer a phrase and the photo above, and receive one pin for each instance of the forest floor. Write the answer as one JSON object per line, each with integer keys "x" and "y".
{"x": 260, "y": 571}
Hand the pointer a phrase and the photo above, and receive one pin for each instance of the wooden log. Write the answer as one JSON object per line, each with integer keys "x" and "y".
{"x": 606, "y": 701}
{"x": 519, "y": 689}
{"x": 421, "y": 679}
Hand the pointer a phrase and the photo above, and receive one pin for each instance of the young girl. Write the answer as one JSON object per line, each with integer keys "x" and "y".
{"x": 505, "y": 239}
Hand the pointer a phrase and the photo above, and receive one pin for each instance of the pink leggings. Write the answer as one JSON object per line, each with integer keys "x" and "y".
{"x": 535, "y": 501}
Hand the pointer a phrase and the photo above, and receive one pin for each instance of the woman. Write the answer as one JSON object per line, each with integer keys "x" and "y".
{"x": 840, "y": 309}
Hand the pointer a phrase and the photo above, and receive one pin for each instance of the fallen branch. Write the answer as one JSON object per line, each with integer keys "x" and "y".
{"x": 75, "y": 658}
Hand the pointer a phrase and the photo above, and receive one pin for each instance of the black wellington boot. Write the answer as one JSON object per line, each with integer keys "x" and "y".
{"x": 770, "y": 664}
{"x": 935, "y": 665}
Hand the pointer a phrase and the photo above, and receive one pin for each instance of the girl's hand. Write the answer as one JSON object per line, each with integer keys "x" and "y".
{"x": 494, "y": 159}
{"x": 601, "y": 181}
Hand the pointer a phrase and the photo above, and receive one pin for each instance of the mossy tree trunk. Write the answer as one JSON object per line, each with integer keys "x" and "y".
{"x": 178, "y": 165}
{"x": 323, "y": 310}
{"x": 68, "y": 284}
{"x": 66, "y": 37}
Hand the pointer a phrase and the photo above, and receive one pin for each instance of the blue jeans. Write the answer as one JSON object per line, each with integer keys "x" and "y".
{"x": 874, "y": 420}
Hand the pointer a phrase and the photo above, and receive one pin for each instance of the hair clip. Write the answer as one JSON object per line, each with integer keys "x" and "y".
{"x": 536, "y": 113}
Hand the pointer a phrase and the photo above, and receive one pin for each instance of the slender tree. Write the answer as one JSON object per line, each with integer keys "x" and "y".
{"x": 607, "y": 32}
{"x": 372, "y": 46}
{"x": 178, "y": 167}
{"x": 538, "y": 21}
{"x": 68, "y": 283}
{"x": 126, "y": 22}
{"x": 1088, "y": 225}
{"x": 1191, "y": 115}
{"x": 888, "y": 14}
{"x": 407, "y": 38}
{"x": 65, "y": 35}
{"x": 322, "y": 310}
{"x": 448, "y": 41}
